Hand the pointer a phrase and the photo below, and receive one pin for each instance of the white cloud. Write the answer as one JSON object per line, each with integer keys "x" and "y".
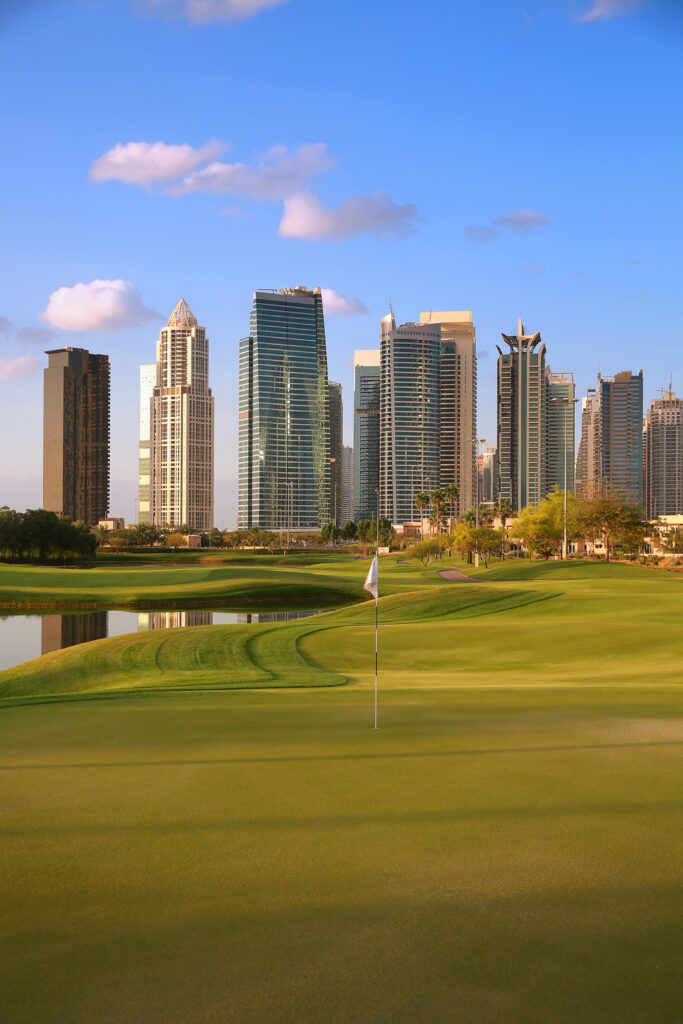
{"x": 35, "y": 335}
{"x": 278, "y": 172}
{"x": 521, "y": 221}
{"x": 479, "y": 233}
{"x": 97, "y": 306}
{"x": 143, "y": 163}
{"x": 201, "y": 12}
{"x": 18, "y": 366}
{"x": 305, "y": 216}
{"x": 605, "y": 10}
{"x": 342, "y": 305}
{"x": 5, "y": 327}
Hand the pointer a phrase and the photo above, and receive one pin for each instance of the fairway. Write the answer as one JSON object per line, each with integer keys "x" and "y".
{"x": 221, "y": 835}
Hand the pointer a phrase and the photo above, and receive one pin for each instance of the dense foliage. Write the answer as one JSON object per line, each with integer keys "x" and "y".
{"x": 39, "y": 535}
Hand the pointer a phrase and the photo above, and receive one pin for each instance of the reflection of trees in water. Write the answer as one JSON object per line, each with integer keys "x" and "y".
{"x": 173, "y": 620}
{"x": 58, "y": 631}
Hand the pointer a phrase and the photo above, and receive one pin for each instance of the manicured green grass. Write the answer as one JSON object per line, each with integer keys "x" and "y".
{"x": 226, "y": 838}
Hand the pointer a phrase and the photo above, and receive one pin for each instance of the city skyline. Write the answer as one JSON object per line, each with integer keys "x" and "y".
{"x": 91, "y": 253}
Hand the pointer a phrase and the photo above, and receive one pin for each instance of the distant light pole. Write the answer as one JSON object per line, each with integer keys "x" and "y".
{"x": 567, "y": 402}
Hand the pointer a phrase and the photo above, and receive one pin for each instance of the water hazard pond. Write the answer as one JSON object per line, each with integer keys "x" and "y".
{"x": 23, "y": 637}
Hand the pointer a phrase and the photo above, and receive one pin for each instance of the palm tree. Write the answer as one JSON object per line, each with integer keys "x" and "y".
{"x": 101, "y": 535}
{"x": 421, "y": 500}
{"x": 451, "y": 495}
{"x": 438, "y": 499}
{"x": 504, "y": 510}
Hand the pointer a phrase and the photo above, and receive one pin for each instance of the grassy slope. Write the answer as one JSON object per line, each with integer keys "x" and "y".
{"x": 506, "y": 848}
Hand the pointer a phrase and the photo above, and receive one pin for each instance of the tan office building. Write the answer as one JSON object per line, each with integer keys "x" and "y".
{"x": 179, "y": 434}
{"x": 76, "y": 434}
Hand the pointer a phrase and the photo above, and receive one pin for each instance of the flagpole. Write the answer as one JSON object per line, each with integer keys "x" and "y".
{"x": 376, "y": 612}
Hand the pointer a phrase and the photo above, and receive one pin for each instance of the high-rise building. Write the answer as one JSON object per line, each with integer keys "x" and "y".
{"x": 588, "y": 458}
{"x": 663, "y": 456}
{"x": 560, "y": 431}
{"x": 336, "y": 449}
{"x": 284, "y": 420}
{"x": 76, "y": 434}
{"x": 522, "y": 410}
{"x": 347, "y": 484}
{"x": 487, "y": 469}
{"x": 621, "y": 434}
{"x": 409, "y": 416}
{"x": 366, "y": 370}
{"x": 148, "y": 379}
{"x": 180, "y": 441}
{"x": 457, "y": 402}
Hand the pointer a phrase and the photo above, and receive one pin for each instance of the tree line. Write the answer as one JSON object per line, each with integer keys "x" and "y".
{"x": 42, "y": 536}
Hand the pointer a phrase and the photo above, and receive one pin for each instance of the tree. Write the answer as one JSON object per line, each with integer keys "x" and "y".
{"x": 438, "y": 498}
{"x": 421, "y": 500}
{"x": 175, "y": 540}
{"x": 463, "y": 539}
{"x": 488, "y": 542}
{"x": 504, "y": 510}
{"x": 672, "y": 540}
{"x": 386, "y": 532}
{"x": 101, "y": 535}
{"x": 451, "y": 495}
{"x": 541, "y": 526}
{"x": 366, "y": 532}
{"x": 349, "y": 530}
{"x": 607, "y": 515}
{"x": 330, "y": 533}
{"x": 424, "y": 550}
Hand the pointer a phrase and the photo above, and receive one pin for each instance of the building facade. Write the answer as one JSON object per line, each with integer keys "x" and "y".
{"x": 588, "y": 457}
{"x": 560, "y": 431}
{"x": 409, "y": 416}
{"x": 347, "y": 484}
{"x": 457, "y": 402}
{"x": 487, "y": 470}
{"x": 76, "y": 434}
{"x": 663, "y": 457}
{"x": 284, "y": 418}
{"x": 522, "y": 411}
{"x": 180, "y": 428}
{"x": 336, "y": 452}
{"x": 621, "y": 434}
{"x": 366, "y": 385}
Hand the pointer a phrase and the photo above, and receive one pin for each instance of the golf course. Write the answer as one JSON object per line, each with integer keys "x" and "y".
{"x": 201, "y": 825}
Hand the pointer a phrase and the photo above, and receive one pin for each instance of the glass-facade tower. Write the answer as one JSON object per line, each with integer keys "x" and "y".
{"x": 365, "y": 433}
{"x": 621, "y": 434}
{"x": 560, "y": 425}
{"x": 522, "y": 408}
{"x": 284, "y": 420}
{"x": 409, "y": 416}
{"x": 663, "y": 456}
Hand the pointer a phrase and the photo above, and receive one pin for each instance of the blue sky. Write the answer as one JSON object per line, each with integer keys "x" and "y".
{"x": 516, "y": 159}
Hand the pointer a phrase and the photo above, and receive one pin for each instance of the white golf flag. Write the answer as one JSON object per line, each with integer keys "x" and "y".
{"x": 371, "y": 581}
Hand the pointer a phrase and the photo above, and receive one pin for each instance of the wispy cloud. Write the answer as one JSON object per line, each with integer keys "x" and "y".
{"x": 97, "y": 306}
{"x": 632, "y": 261}
{"x": 479, "y": 233}
{"x": 277, "y": 173}
{"x": 201, "y": 12}
{"x": 521, "y": 221}
{"x": 337, "y": 304}
{"x": 18, "y": 366}
{"x": 35, "y": 335}
{"x": 305, "y": 216}
{"x": 146, "y": 163}
{"x": 605, "y": 10}
{"x": 536, "y": 268}
{"x": 5, "y": 327}
{"x": 578, "y": 274}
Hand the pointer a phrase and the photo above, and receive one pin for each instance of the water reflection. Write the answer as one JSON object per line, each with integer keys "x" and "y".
{"x": 173, "y": 620}
{"x": 59, "y": 631}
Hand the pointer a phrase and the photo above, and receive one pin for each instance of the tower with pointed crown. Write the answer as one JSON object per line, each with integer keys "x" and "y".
{"x": 176, "y": 427}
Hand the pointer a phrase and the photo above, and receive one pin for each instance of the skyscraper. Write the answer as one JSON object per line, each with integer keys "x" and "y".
{"x": 560, "y": 427}
{"x": 522, "y": 411}
{"x": 336, "y": 450}
{"x": 663, "y": 456}
{"x": 588, "y": 458}
{"x": 487, "y": 468}
{"x": 457, "y": 402}
{"x": 148, "y": 379}
{"x": 366, "y": 372}
{"x": 76, "y": 434}
{"x": 409, "y": 416}
{"x": 284, "y": 420}
{"x": 347, "y": 484}
{"x": 180, "y": 439}
{"x": 621, "y": 434}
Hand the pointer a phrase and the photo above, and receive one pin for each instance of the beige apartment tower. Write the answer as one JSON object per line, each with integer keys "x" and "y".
{"x": 457, "y": 403}
{"x": 176, "y": 428}
{"x": 76, "y": 434}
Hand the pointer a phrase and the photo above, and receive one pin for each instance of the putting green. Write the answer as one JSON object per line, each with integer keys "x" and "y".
{"x": 506, "y": 847}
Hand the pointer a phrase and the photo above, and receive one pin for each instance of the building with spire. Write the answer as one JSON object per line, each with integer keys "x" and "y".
{"x": 76, "y": 434}
{"x": 284, "y": 413}
{"x": 177, "y": 427}
{"x": 663, "y": 456}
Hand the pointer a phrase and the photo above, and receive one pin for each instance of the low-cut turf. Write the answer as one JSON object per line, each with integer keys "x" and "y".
{"x": 223, "y": 837}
